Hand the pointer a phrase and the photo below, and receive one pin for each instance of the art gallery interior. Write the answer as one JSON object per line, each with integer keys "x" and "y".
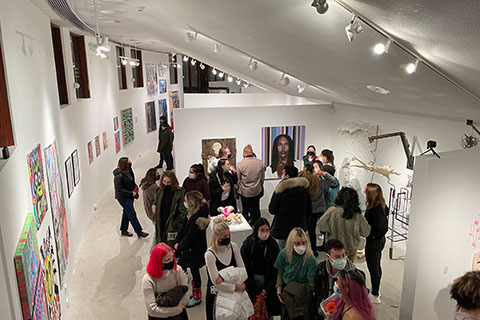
{"x": 283, "y": 63}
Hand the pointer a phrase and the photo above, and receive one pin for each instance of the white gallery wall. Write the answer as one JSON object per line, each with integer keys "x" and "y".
{"x": 39, "y": 119}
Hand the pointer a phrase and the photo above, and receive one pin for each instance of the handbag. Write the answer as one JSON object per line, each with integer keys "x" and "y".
{"x": 260, "y": 309}
{"x": 172, "y": 297}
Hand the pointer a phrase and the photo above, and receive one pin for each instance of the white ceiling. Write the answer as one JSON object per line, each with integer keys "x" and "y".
{"x": 291, "y": 36}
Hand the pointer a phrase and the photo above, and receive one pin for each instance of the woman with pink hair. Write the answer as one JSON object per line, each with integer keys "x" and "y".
{"x": 165, "y": 285}
{"x": 353, "y": 302}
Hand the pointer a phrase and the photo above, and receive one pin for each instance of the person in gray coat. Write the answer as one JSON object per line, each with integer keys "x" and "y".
{"x": 149, "y": 187}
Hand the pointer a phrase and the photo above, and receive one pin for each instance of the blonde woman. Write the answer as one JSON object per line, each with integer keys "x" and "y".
{"x": 296, "y": 266}
{"x": 191, "y": 243}
{"x": 221, "y": 254}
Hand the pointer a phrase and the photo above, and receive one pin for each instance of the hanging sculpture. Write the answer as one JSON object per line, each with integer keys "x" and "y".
{"x": 385, "y": 171}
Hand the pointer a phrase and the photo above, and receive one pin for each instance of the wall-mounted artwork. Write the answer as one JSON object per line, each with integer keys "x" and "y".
{"x": 57, "y": 205}
{"x": 150, "y": 114}
{"x": 118, "y": 145}
{"x": 98, "y": 149}
{"x": 152, "y": 84}
{"x": 39, "y": 301}
{"x": 211, "y": 148}
{"x": 127, "y": 125}
{"x": 162, "y": 108}
{"x": 27, "y": 266}
{"x": 281, "y": 146}
{"x": 162, "y": 70}
{"x": 174, "y": 104}
{"x": 51, "y": 277}
{"x": 76, "y": 166}
{"x": 37, "y": 185}
{"x": 162, "y": 85}
{"x": 115, "y": 123}
{"x": 90, "y": 152}
{"x": 69, "y": 175}
{"x": 105, "y": 140}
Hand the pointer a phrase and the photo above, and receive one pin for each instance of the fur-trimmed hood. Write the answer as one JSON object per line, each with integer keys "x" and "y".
{"x": 291, "y": 183}
{"x": 203, "y": 223}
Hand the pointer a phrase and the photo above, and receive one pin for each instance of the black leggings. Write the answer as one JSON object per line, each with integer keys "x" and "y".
{"x": 197, "y": 280}
{"x": 312, "y": 228}
{"x": 373, "y": 256}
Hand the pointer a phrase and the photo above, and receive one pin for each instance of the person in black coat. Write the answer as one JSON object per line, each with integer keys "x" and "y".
{"x": 222, "y": 187}
{"x": 191, "y": 242}
{"x": 291, "y": 205}
{"x": 126, "y": 190}
{"x": 259, "y": 252}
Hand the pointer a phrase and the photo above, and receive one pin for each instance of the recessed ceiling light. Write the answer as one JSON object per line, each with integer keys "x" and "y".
{"x": 106, "y": 12}
{"x": 377, "y": 89}
{"x": 111, "y": 21}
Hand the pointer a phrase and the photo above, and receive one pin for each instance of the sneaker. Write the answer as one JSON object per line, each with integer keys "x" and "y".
{"x": 374, "y": 300}
{"x": 142, "y": 234}
{"x": 193, "y": 303}
{"x": 126, "y": 233}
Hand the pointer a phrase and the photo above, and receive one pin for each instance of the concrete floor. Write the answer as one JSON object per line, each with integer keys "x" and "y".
{"x": 107, "y": 276}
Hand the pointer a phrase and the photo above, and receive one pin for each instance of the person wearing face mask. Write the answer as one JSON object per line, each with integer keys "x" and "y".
{"x": 310, "y": 157}
{"x": 259, "y": 252}
{"x": 223, "y": 153}
{"x": 169, "y": 209}
{"x": 191, "y": 242}
{"x": 163, "y": 274}
{"x": 165, "y": 146}
{"x": 149, "y": 189}
{"x": 296, "y": 266}
{"x": 196, "y": 181}
{"x": 222, "y": 187}
{"x": 328, "y": 270}
{"x": 221, "y": 254}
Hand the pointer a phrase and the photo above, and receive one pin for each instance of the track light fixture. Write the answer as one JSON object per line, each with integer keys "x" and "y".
{"x": 221, "y": 74}
{"x": 285, "y": 81}
{"x": 245, "y": 85}
{"x": 381, "y": 48}
{"x": 124, "y": 62}
{"x": 193, "y": 62}
{"x": 229, "y": 78}
{"x": 353, "y": 29}
{"x": 301, "y": 87}
{"x": 185, "y": 58}
{"x": 190, "y": 37}
{"x": 412, "y": 67}
{"x": 253, "y": 65}
{"x": 202, "y": 66}
{"x": 217, "y": 47}
{"x": 238, "y": 81}
{"x": 321, "y": 5}
{"x": 214, "y": 71}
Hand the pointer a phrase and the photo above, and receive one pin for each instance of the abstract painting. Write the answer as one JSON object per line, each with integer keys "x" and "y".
{"x": 39, "y": 311}
{"x": 57, "y": 205}
{"x": 115, "y": 123}
{"x": 90, "y": 152}
{"x": 281, "y": 146}
{"x": 127, "y": 125}
{"x": 105, "y": 140}
{"x": 211, "y": 148}
{"x": 76, "y": 166}
{"x": 151, "y": 117}
{"x": 118, "y": 145}
{"x": 69, "y": 175}
{"x": 174, "y": 104}
{"x": 162, "y": 85}
{"x": 50, "y": 276}
{"x": 162, "y": 108}
{"x": 27, "y": 266}
{"x": 152, "y": 84}
{"x": 98, "y": 149}
{"x": 37, "y": 185}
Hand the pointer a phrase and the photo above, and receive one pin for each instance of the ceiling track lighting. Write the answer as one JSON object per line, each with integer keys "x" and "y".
{"x": 229, "y": 78}
{"x": 190, "y": 37}
{"x": 321, "y": 5}
{"x": 253, "y": 65}
{"x": 285, "y": 81}
{"x": 221, "y": 74}
{"x": 412, "y": 67}
{"x": 301, "y": 87}
{"x": 381, "y": 48}
{"x": 238, "y": 81}
{"x": 202, "y": 66}
{"x": 193, "y": 62}
{"x": 353, "y": 28}
{"x": 214, "y": 71}
{"x": 185, "y": 58}
{"x": 246, "y": 84}
{"x": 217, "y": 47}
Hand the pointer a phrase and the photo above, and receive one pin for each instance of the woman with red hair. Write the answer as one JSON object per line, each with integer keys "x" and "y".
{"x": 161, "y": 284}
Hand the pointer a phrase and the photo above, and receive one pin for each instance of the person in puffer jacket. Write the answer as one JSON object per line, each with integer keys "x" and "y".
{"x": 233, "y": 305}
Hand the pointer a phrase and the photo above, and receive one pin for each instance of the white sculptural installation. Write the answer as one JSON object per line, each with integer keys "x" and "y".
{"x": 385, "y": 171}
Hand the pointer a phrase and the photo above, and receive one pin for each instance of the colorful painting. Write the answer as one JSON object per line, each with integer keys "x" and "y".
{"x": 152, "y": 84}
{"x": 50, "y": 276}
{"x": 69, "y": 175}
{"x": 90, "y": 152}
{"x": 162, "y": 108}
{"x": 115, "y": 123}
{"x": 127, "y": 126}
{"x": 281, "y": 146}
{"x": 57, "y": 205}
{"x": 118, "y": 145}
{"x": 162, "y": 70}
{"x": 162, "y": 85}
{"x": 174, "y": 104}
{"x": 37, "y": 185}
{"x": 151, "y": 117}
{"x": 76, "y": 167}
{"x": 211, "y": 148}
{"x": 39, "y": 311}
{"x": 105, "y": 140}
{"x": 27, "y": 265}
{"x": 98, "y": 149}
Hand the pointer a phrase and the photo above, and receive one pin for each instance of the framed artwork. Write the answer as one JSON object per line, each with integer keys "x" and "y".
{"x": 152, "y": 83}
{"x": 115, "y": 123}
{"x": 57, "y": 205}
{"x": 27, "y": 266}
{"x": 281, "y": 146}
{"x": 162, "y": 70}
{"x": 76, "y": 167}
{"x": 105, "y": 140}
{"x": 39, "y": 307}
{"x": 118, "y": 145}
{"x": 162, "y": 85}
{"x": 127, "y": 126}
{"x": 151, "y": 117}
{"x": 37, "y": 185}
{"x": 174, "y": 104}
{"x": 69, "y": 175}
{"x": 50, "y": 277}
{"x": 98, "y": 149}
{"x": 90, "y": 152}
{"x": 162, "y": 108}
{"x": 211, "y": 148}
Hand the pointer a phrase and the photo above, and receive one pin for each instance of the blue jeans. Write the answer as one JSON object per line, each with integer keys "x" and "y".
{"x": 129, "y": 215}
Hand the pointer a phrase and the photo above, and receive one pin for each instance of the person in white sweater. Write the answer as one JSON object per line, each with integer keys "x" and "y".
{"x": 221, "y": 254}
{"x": 162, "y": 275}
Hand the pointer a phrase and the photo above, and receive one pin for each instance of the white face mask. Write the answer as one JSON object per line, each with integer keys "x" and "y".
{"x": 192, "y": 176}
{"x": 300, "y": 249}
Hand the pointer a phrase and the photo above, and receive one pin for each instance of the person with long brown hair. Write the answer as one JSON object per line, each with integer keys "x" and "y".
{"x": 149, "y": 188}
{"x": 169, "y": 209}
{"x": 222, "y": 187}
{"x": 377, "y": 218}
